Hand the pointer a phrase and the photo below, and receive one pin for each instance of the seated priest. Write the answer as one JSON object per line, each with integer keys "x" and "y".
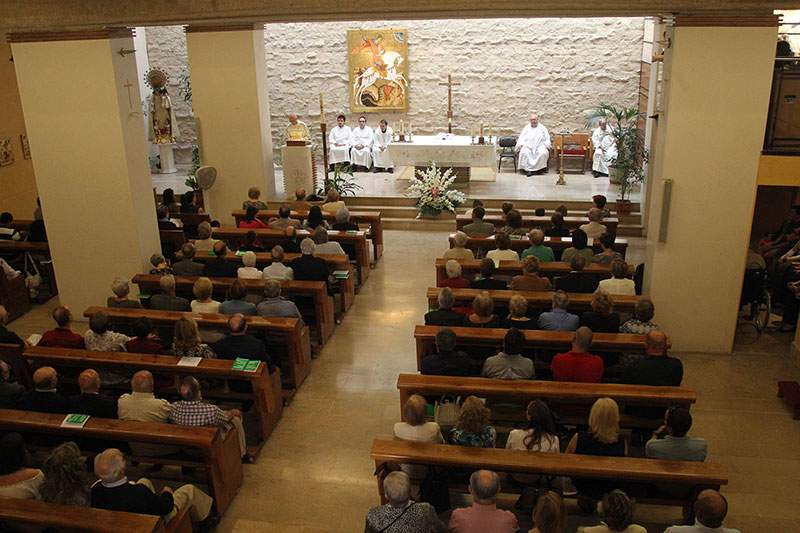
{"x": 605, "y": 148}
{"x": 533, "y": 146}
{"x": 361, "y": 142}
{"x": 297, "y": 130}
{"x": 381, "y": 139}
{"x": 339, "y": 141}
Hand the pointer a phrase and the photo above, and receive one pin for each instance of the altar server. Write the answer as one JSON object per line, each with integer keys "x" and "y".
{"x": 361, "y": 143}
{"x": 339, "y": 140}
{"x": 533, "y": 146}
{"x": 380, "y": 148}
{"x": 605, "y": 148}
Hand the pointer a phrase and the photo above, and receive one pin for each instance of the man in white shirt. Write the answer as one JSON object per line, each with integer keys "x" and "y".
{"x": 339, "y": 141}
{"x": 380, "y": 148}
{"x": 533, "y": 146}
{"x": 276, "y": 269}
{"x": 594, "y": 229}
{"x": 710, "y": 510}
{"x": 605, "y": 148}
{"x": 361, "y": 142}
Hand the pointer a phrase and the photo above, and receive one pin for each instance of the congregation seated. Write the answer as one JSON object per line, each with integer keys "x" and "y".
{"x": 599, "y": 201}
{"x": 189, "y": 203}
{"x": 415, "y": 428}
{"x": 315, "y": 219}
{"x": 343, "y": 222}
{"x": 249, "y": 270}
{"x": 160, "y": 265}
{"x": 509, "y": 363}
{"x": 537, "y": 248}
{"x": 578, "y": 364}
{"x": 482, "y": 315}
{"x": 251, "y": 243}
{"x": 594, "y": 229}
{"x": 66, "y": 480}
{"x": 168, "y": 201}
{"x": 187, "y": 267}
{"x": 17, "y": 481}
{"x": 447, "y": 361}
{"x": 503, "y": 252}
{"x": 164, "y": 222}
{"x": 575, "y": 281}
{"x": 530, "y": 280}
{"x": 290, "y": 244}
{"x": 307, "y": 267}
{"x": 486, "y": 281}
{"x": 642, "y": 320}
{"x": 203, "y": 303}
{"x": 473, "y": 428}
{"x": 616, "y": 513}
{"x": 608, "y": 255}
{"x": 454, "y": 278}
{"x": 239, "y": 343}
{"x": 671, "y": 442}
{"x": 166, "y": 300}
{"x": 324, "y": 245}
{"x": 236, "y": 302}
{"x": 580, "y": 246}
{"x": 186, "y": 341}
{"x": 251, "y": 219}
{"x": 220, "y": 267}
{"x": 89, "y": 401}
{"x": 444, "y": 315}
{"x": 557, "y": 227}
{"x": 276, "y": 269}
{"x": 121, "y": 288}
{"x": 141, "y": 405}
{"x": 459, "y": 250}
{"x": 513, "y": 223}
{"x": 558, "y": 318}
{"x": 44, "y": 398}
{"x": 518, "y": 314}
{"x": 483, "y": 515}
{"x": 274, "y": 304}
{"x": 478, "y": 228}
{"x": 146, "y": 340}
{"x": 284, "y": 219}
{"x": 253, "y": 195}
{"x": 100, "y": 338}
{"x": 710, "y": 510}
{"x": 602, "y": 318}
{"x": 113, "y": 492}
{"x": 204, "y": 243}
{"x": 61, "y": 336}
{"x": 619, "y": 283}
{"x": 10, "y": 390}
{"x": 7, "y": 336}
{"x": 401, "y": 513}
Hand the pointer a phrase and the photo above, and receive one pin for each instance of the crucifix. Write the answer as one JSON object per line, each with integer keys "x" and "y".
{"x": 450, "y": 84}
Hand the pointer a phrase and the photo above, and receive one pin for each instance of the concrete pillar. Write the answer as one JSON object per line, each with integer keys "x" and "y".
{"x": 82, "y": 112}
{"x": 231, "y": 106}
{"x": 717, "y": 77}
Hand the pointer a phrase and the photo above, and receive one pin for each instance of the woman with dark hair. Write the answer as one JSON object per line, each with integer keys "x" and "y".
{"x": 503, "y": 251}
{"x": 616, "y": 511}
{"x": 17, "y": 481}
{"x": 514, "y": 223}
{"x": 315, "y": 219}
{"x": 168, "y": 201}
{"x": 187, "y": 203}
{"x": 251, "y": 220}
{"x": 66, "y": 480}
{"x": 539, "y": 436}
{"x": 608, "y": 255}
{"x": 557, "y": 227}
{"x": 251, "y": 243}
{"x": 580, "y": 246}
{"x": 473, "y": 428}
{"x": 146, "y": 341}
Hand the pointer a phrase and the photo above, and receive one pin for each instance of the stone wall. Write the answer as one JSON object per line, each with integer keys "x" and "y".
{"x": 507, "y": 68}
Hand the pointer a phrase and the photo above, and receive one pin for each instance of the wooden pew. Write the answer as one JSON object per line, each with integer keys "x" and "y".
{"x": 571, "y": 401}
{"x": 175, "y": 237}
{"x": 371, "y": 218}
{"x": 555, "y": 340}
{"x": 319, "y": 317}
{"x": 472, "y": 267}
{"x": 291, "y": 330}
{"x": 346, "y": 287}
{"x": 536, "y": 299}
{"x": 271, "y": 237}
{"x": 220, "y": 453}
{"x": 266, "y": 395}
{"x": 571, "y": 222}
{"x": 642, "y": 474}
{"x": 40, "y": 252}
{"x": 518, "y": 244}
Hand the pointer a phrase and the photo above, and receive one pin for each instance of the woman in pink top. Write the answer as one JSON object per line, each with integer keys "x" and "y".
{"x": 250, "y": 220}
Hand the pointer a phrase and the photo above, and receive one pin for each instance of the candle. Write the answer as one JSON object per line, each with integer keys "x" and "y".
{"x": 402, "y": 128}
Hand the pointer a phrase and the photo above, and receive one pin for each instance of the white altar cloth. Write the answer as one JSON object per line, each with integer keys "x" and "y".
{"x": 446, "y": 151}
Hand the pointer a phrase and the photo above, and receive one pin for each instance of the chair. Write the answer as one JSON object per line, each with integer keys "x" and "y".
{"x": 507, "y": 144}
{"x": 576, "y": 149}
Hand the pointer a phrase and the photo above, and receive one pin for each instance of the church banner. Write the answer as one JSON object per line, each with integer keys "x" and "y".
{"x": 378, "y": 67}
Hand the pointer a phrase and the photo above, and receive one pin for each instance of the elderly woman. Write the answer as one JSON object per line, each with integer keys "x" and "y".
{"x": 473, "y": 428}
{"x": 324, "y": 245}
{"x": 204, "y": 242}
{"x": 16, "y": 480}
{"x": 513, "y": 223}
{"x": 530, "y": 280}
{"x": 187, "y": 343}
{"x": 253, "y": 195}
{"x": 343, "y": 222}
{"x": 237, "y": 301}
{"x": 619, "y": 283}
{"x": 601, "y": 319}
{"x": 66, "y": 480}
{"x": 517, "y": 314}
{"x": 454, "y": 278}
{"x": 503, "y": 251}
{"x": 160, "y": 265}
{"x": 121, "y": 288}
{"x": 249, "y": 270}
{"x": 580, "y": 246}
{"x": 616, "y": 513}
{"x": 415, "y": 428}
{"x": 401, "y": 513}
{"x": 251, "y": 220}
{"x": 482, "y": 313}
{"x": 276, "y": 269}
{"x": 203, "y": 303}
{"x": 458, "y": 251}
{"x": 642, "y": 321}
{"x": 608, "y": 255}
{"x": 444, "y": 315}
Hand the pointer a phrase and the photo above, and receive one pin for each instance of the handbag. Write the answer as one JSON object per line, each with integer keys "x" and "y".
{"x": 446, "y": 411}
{"x": 33, "y": 279}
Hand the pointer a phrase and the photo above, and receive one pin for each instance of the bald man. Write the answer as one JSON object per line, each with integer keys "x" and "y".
{"x": 62, "y": 336}
{"x": 44, "y": 398}
{"x": 483, "y": 515}
{"x": 89, "y": 401}
{"x": 578, "y": 364}
{"x": 239, "y": 343}
{"x": 533, "y": 146}
{"x": 297, "y": 130}
{"x": 657, "y": 369}
{"x": 710, "y": 510}
{"x": 142, "y": 405}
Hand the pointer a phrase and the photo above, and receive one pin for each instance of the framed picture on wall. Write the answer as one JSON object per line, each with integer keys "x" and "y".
{"x": 6, "y": 153}
{"x": 26, "y": 148}
{"x": 378, "y": 63}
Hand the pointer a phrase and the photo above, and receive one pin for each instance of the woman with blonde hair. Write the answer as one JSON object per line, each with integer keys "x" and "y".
{"x": 482, "y": 315}
{"x": 186, "y": 341}
{"x": 473, "y": 428}
{"x": 203, "y": 303}
{"x": 204, "y": 242}
{"x": 517, "y": 314}
{"x": 549, "y": 514}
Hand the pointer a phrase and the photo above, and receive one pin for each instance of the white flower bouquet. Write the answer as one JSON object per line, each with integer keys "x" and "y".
{"x": 432, "y": 190}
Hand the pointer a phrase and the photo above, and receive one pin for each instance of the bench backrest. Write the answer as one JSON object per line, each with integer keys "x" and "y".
{"x": 536, "y": 299}
{"x": 472, "y": 267}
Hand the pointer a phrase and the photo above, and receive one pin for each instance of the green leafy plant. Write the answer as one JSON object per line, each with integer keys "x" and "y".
{"x": 191, "y": 180}
{"x": 631, "y": 152}
{"x": 341, "y": 180}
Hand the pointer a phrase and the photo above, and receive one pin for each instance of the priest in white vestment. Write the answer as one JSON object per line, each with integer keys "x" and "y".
{"x": 339, "y": 141}
{"x": 380, "y": 148}
{"x": 361, "y": 145}
{"x": 533, "y": 146}
{"x": 605, "y": 149}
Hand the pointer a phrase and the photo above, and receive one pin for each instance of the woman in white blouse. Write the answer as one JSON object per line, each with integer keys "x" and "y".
{"x": 202, "y": 292}
{"x": 415, "y": 428}
{"x": 503, "y": 251}
{"x": 619, "y": 283}
{"x": 539, "y": 436}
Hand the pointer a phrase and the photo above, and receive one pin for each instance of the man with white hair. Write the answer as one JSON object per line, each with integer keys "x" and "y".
{"x": 273, "y": 304}
{"x": 325, "y": 246}
{"x": 444, "y": 315}
{"x": 297, "y": 130}
{"x": 249, "y": 270}
{"x": 361, "y": 142}
{"x": 114, "y": 492}
{"x": 166, "y": 299}
{"x": 459, "y": 250}
{"x": 343, "y": 222}
{"x": 121, "y": 287}
{"x": 483, "y": 515}
{"x": 594, "y": 229}
{"x": 533, "y": 146}
{"x": 89, "y": 401}
{"x": 401, "y": 513}
{"x": 307, "y": 267}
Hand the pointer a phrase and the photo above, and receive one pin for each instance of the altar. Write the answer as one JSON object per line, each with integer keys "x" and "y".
{"x": 470, "y": 162}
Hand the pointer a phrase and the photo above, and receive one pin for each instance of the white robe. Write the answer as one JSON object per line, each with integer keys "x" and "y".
{"x": 380, "y": 148}
{"x": 339, "y": 141}
{"x": 605, "y": 149}
{"x": 533, "y": 146}
{"x": 361, "y": 156}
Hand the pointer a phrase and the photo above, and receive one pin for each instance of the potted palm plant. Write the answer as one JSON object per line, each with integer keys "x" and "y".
{"x": 627, "y": 168}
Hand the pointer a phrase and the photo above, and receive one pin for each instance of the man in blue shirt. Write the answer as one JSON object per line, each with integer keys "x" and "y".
{"x": 671, "y": 442}
{"x": 558, "y": 319}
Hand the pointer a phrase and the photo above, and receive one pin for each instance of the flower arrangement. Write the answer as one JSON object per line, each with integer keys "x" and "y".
{"x": 433, "y": 192}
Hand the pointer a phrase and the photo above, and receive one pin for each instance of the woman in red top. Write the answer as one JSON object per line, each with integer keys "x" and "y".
{"x": 250, "y": 220}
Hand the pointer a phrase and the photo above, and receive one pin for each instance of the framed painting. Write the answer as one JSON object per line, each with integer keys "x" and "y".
{"x": 6, "y": 153}
{"x": 378, "y": 68}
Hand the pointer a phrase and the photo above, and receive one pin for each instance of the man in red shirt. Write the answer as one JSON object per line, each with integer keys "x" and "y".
{"x": 62, "y": 336}
{"x": 578, "y": 364}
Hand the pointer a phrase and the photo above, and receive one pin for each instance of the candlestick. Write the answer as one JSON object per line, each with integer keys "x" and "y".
{"x": 402, "y": 128}
{"x": 409, "y": 128}
{"x": 481, "y": 129}
{"x": 490, "y": 132}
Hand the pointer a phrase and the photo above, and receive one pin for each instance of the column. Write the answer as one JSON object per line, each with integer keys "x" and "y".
{"x": 717, "y": 78}
{"x": 231, "y": 106}
{"x": 82, "y": 112}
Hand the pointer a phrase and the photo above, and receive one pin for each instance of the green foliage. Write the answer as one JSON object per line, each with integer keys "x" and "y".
{"x": 191, "y": 181}
{"x": 341, "y": 180}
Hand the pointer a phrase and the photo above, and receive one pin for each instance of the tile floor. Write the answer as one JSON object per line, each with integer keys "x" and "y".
{"x": 315, "y": 474}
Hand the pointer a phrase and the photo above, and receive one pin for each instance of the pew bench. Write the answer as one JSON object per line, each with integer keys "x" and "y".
{"x": 472, "y": 267}
{"x": 291, "y": 332}
{"x": 520, "y": 243}
{"x": 532, "y": 221}
{"x": 219, "y": 453}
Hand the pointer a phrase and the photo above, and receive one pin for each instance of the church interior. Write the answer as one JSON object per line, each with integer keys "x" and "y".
{"x": 429, "y": 266}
